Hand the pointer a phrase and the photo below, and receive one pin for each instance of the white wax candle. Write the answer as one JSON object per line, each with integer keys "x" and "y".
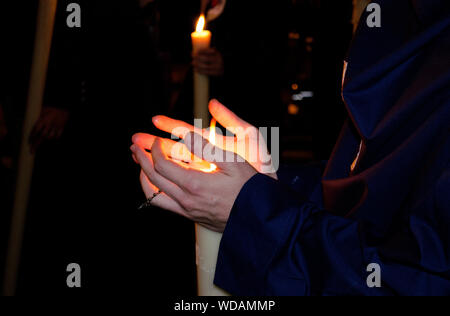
{"x": 207, "y": 245}
{"x": 201, "y": 39}
{"x": 208, "y": 242}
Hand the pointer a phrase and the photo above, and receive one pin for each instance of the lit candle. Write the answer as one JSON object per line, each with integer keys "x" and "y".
{"x": 212, "y": 139}
{"x": 201, "y": 39}
{"x": 208, "y": 243}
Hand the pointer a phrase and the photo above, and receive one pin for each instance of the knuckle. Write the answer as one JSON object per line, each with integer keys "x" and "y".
{"x": 193, "y": 185}
{"x": 158, "y": 166}
{"x": 189, "y": 205}
{"x": 150, "y": 172}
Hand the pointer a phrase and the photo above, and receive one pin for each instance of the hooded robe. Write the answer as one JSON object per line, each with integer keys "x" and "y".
{"x": 383, "y": 197}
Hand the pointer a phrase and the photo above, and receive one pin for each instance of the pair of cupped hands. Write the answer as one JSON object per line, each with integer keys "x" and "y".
{"x": 182, "y": 170}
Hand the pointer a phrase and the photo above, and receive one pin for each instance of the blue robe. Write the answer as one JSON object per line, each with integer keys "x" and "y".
{"x": 384, "y": 196}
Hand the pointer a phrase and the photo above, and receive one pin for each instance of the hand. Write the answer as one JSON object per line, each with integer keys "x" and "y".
{"x": 143, "y": 3}
{"x": 248, "y": 142}
{"x": 50, "y": 126}
{"x": 206, "y": 198}
{"x": 209, "y": 62}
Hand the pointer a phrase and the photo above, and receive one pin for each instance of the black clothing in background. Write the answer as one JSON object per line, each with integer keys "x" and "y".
{"x": 86, "y": 189}
{"x": 333, "y": 34}
{"x": 17, "y": 28}
{"x": 252, "y": 38}
{"x": 326, "y": 25}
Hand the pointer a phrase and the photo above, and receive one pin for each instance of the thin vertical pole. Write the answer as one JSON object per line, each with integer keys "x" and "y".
{"x": 41, "y": 55}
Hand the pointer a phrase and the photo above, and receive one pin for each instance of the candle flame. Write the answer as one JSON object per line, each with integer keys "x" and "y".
{"x": 200, "y": 24}
{"x": 212, "y": 140}
{"x": 212, "y": 132}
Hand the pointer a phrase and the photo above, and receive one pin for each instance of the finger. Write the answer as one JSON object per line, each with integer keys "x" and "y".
{"x": 226, "y": 118}
{"x": 36, "y": 132}
{"x": 39, "y": 124}
{"x": 211, "y": 153}
{"x": 209, "y": 52}
{"x": 46, "y": 130}
{"x": 36, "y": 144}
{"x": 206, "y": 66}
{"x": 143, "y": 140}
{"x": 180, "y": 129}
{"x": 175, "y": 127}
{"x": 59, "y": 133}
{"x": 32, "y": 135}
{"x": 146, "y": 161}
{"x": 52, "y": 133}
{"x": 202, "y": 68}
{"x": 174, "y": 150}
{"x": 162, "y": 200}
{"x": 179, "y": 175}
{"x": 210, "y": 72}
{"x": 206, "y": 51}
{"x": 205, "y": 59}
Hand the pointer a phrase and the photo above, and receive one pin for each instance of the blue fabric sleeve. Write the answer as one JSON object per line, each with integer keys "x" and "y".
{"x": 277, "y": 243}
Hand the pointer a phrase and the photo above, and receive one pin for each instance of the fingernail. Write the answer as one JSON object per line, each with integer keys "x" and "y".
{"x": 155, "y": 119}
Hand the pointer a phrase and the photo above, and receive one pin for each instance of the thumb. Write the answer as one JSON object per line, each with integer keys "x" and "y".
{"x": 203, "y": 149}
{"x": 227, "y": 118}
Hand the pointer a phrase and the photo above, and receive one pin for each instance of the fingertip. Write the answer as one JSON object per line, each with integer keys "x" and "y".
{"x": 135, "y": 137}
{"x": 214, "y": 105}
{"x": 157, "y": 119}
{"x": 211, "y": 105}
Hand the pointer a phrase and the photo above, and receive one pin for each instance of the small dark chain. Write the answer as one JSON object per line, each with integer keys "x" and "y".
{"x": 148, "y": 203}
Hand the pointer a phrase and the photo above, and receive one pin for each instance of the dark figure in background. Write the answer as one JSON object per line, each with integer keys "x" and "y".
{"x": 324, "y": 32}
{"x": 17, "y": 28}
{"x": 5, "y": 186}
{"x": 104, "y": 82}
{"x": 333, "y": 34}
{"x": 245, "y": 59}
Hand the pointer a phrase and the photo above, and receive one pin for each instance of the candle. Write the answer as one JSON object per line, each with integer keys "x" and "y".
{"x": 207, "y": 245}
{"x": 212, "y": 139}
{"x": 43, "y": 39}
{"x": 201, "y": 39}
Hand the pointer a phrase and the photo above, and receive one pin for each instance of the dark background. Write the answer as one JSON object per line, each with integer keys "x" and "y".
{"x": 123, "y": 66}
